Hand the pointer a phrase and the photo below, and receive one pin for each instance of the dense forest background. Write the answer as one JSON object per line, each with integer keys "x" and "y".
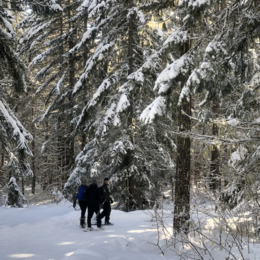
{"x": 155, "y": 95}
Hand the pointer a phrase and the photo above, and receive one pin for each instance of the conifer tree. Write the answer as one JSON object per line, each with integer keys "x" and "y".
{"x": 12, "y": 78}
{"x": 174, "y": 76}
{"x": 14, "y": 196}
{"x": 243, "y": 109}
{"x": 47, "y": 36}
{"x": 119, "y": 146}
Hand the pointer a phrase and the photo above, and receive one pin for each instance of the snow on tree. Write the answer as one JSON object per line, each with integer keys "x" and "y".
{"x": 11, "y": 64}
{"x": 46, "y": 39}
{"x": 12, "y": 75}
{"x": 14, "y": 196}
{"x": 11, "y": 128}
{"x": 219, "y": 64}
{"x": 175, "y": 76}
{"x": 119, "y": 146}
{"x": 226, "y": 72}
{"x": 44, "y": 6}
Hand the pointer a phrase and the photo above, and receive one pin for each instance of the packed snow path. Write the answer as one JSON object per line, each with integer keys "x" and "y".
{"x": 51, "y": 232}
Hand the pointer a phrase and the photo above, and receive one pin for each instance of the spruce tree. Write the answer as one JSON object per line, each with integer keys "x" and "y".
{"x": 14, "y": 196}
{"x": 241, "y": 110}
{"x": 47, "y": 36}
{"x": 13, "y": 83}
{"x": 118, "y": 144}
{"x": 174, "y": 77}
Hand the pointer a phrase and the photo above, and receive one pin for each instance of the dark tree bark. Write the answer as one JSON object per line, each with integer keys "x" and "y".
{"x": 223, "y": 4}
{"x": 197, "y": 170}
{"x": 23, "y": 185}
{"x": 183, "y": 164}
{"x": 217, "y": 5}
{"x": 182, "y": 182}
{"x": 60, "y": 141}
{"x": 86, "y": 89}
{"x": 198, "y": 167}
{"x": 45, "y": 159}
{"x": 60, "y": 148}
{"x": 2, "y": 166}
{"x": 70, "y": 151}
{"x": 33, "y": 158}
{"x": 215, "y": 181}
{"x": 129, "y": 156}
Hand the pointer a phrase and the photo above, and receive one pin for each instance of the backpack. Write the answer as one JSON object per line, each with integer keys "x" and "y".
{"x": 81, "y": 195}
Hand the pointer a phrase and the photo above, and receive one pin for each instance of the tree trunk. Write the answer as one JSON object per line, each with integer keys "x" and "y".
{"x": 86, "y": 89}
{"x": 217, "y": 5}
{"x": 256, "y": 4}
{"x": 33, "y": 158}
{"x": 60, "y": 145}
{"x": 223, "y": 4}
{"x": 215, "y": 181}
{"x": 23, "y": 185}
{"x": 183, "y": 165}
{"x": 198, "y": 168}
{"x": 129, "y": 156}
{"x": 182, "y": 182}
{"x": 45, "y": 159}
{"x": 2, "y": 166}
{"x": 70, "y": 151}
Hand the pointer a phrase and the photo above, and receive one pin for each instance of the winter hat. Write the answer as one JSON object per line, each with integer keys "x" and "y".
{"x": 94, "y": 181}
{"x": 84, "y": 180}
{"x": 106, "y": 179}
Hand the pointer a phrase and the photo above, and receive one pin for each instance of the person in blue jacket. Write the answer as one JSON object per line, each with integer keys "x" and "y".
{"x": 82, "y": 199}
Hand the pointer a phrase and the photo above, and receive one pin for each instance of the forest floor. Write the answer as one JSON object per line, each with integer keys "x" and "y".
{"x": 51, "y": 232}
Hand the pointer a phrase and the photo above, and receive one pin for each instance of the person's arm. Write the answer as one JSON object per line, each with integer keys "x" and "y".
{"x": 101, "y": 194}
{"x": 75, "y": 200}
{"x": 110, "y": 199}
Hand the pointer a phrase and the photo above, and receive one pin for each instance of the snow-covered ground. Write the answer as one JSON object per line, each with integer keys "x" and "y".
{"x": 52, "y": 231}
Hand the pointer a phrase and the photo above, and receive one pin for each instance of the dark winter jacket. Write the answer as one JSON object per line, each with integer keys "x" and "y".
{"x": 105, "y": 195}
{"x": 84, "y": 195}
{"x": 93, "y": 195}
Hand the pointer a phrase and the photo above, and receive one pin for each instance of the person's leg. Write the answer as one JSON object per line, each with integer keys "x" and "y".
{"x": 83, "y": 211}
{"x": 90, "y": 214}
{"x": 84, "y": 208}
{"x": 98, "y": 217}
{"x": 81, "y": 205}
{"x": 107, "y": 212}
{"x": 104, "y": 212}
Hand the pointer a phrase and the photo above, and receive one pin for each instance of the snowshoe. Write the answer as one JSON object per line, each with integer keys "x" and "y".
{"x": 107, "y": 223}
{"x": 100, "y": 228}
{"x": 88, "y": 229}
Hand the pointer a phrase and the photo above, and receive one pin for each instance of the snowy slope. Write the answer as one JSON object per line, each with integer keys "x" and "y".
{"x": 52, "y": 232}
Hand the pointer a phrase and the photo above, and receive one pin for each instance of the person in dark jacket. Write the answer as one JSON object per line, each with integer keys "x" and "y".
{"x": 94, "y": 199}
{"x": 106, "y": 201}
{"x": 82, "y": 201}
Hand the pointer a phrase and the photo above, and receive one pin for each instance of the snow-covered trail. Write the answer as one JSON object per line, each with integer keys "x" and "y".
{"x": 52, "y": 232}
